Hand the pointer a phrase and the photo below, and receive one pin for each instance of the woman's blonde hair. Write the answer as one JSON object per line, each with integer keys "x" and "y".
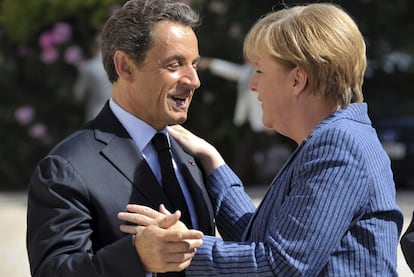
{"x": 320, "y": 38}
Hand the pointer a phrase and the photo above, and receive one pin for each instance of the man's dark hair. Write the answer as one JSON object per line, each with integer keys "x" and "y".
{"x": 130, "y": 29}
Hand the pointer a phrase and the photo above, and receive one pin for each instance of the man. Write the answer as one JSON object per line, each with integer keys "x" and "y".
{"x": 92, "y": 86}
{"x": 150, "y": 53}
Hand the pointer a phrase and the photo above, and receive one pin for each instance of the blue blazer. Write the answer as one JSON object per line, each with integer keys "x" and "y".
{"x": 331, "y": 210}
{"x": 76, "y": 192}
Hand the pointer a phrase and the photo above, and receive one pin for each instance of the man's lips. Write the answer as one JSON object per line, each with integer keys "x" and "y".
{"x": 180, "y": 100}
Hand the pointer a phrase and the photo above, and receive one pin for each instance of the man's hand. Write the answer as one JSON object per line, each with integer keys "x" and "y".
{"x": 140, "y": 216}
{"x": 162, "y": 250}
{"x": 165, "y": 244}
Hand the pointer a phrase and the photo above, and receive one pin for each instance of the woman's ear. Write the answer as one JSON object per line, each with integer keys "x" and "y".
{"x": 124, "y": 66}
{"x": 300, "y": 79}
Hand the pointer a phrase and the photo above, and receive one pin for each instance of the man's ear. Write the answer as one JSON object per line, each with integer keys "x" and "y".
{"x": 300, "y": 79}
{"x": 124, "y": 66}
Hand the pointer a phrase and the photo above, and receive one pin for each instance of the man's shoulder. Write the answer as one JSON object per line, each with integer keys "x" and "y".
{"x": 80, "y": 141}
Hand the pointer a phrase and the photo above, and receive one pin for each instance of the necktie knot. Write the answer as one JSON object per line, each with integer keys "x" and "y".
{"x": 160, "y": 142}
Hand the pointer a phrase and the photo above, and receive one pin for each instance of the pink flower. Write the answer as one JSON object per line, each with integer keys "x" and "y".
{"x": 24, "y": 114}
{"x": 62, "y": 33}
{"x": 38, "y": 131}
{"x": 73, "y": 55}
{"x": 49, "y": 55}
{"x": 46, "y": 40}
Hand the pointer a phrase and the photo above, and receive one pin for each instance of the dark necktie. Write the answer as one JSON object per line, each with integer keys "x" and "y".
{"x": 169, "y": 180}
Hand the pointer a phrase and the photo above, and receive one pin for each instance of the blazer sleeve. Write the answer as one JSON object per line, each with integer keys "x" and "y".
{"x": 233, "y": 208}
{"x": 407, "y": 244}
{"x": 59, "y": 228}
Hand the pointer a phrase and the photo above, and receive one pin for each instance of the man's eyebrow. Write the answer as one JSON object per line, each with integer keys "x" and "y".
{"x": 180, "y": 57}
{"x": 174, "y": 57}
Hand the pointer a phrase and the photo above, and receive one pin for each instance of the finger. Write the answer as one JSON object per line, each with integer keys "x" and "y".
{"x": 192, "y": 234}
{"x": 176, "y": 267}
{"x": 164, "y": 210}
{"x": 169, "y": 220}
{"x": 177, "y": 129}
{"x": 183, "y": 236}
{"x": 179, "y": 257}
{"x": 136, "y": 219}
{"x": 194, "y": 243}
{"x": 183, "y": 247}
{"x": 129, "y": 229}
{"x": 143, "y": 210}
{"x": 178, "y": 132}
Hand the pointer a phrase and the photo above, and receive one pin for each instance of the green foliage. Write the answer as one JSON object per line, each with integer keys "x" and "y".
{"x": 24, "y": 19}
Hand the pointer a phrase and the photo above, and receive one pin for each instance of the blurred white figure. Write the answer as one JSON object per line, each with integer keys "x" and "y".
{"x": 248, "y": 107}
{"x": 93, "y": 86}
{"x": 262, "y": 143}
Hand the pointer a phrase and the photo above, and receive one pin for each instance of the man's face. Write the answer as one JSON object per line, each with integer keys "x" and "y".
{"x": 166, "y": 81}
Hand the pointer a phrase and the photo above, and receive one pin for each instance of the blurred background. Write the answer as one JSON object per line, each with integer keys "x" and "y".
{"x": 45, "y": 43}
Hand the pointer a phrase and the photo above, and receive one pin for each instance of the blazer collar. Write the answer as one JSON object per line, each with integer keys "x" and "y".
{"x": 121, "y": 151}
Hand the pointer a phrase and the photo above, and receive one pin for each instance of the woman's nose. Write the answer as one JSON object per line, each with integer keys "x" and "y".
{"x": 253, "y": 84}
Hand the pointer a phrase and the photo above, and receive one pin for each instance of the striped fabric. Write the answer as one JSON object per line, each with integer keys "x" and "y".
{"x": 331, "y": 211}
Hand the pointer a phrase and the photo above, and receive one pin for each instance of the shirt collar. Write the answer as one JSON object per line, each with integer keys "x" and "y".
{"x": 140, "y": 131}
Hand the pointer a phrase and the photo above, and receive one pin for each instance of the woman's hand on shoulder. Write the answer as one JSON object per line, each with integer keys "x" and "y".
{"x": 204, "y": 152}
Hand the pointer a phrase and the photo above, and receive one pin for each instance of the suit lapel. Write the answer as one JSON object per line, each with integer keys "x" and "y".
{"x": 123, "y": 154}
{"x": 127, "y": 159}
{"x": 195, "y": 182}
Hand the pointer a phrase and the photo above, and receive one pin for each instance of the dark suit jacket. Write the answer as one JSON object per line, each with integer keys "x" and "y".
{"x": 76, "y": 192}
{"x": 407, "y": 244}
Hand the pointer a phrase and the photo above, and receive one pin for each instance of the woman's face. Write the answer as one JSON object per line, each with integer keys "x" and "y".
{"x": 274, "y": 84}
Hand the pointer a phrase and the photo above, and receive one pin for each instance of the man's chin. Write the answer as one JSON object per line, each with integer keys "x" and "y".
{"x": 178, "y": 120}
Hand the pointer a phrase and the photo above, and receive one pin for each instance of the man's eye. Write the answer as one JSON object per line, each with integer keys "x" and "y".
{"x": 173, "y": 65}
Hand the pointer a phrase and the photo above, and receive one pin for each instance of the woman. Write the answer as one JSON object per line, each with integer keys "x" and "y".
{"x": 331, "y": 210}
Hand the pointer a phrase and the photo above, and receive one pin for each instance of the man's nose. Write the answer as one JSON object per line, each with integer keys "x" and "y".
{"x": 191, "y": 78}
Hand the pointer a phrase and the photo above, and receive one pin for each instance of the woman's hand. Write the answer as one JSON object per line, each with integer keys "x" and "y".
{"x": 203, "y": 151}
{"x": 142, "y": 216}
